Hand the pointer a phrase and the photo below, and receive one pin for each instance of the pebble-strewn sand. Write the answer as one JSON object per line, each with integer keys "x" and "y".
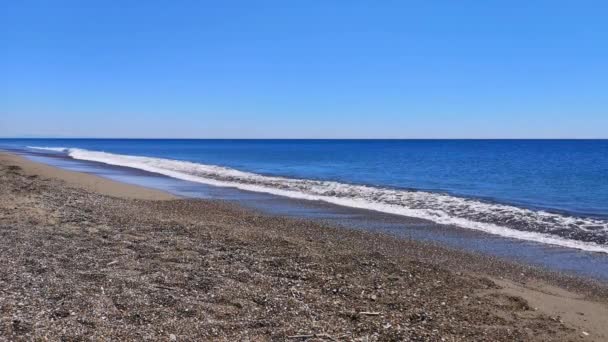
{"x": 76, "y": 263}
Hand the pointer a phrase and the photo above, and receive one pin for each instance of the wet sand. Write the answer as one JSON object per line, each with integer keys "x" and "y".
{"x": 86, "y": 181}
{"x": 90, "y": 258}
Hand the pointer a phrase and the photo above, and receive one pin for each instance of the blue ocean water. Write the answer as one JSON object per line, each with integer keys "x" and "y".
{"x": 558, "y": 188}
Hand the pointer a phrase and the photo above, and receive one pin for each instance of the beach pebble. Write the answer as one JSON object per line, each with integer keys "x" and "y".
{"x": 425, "y": 309}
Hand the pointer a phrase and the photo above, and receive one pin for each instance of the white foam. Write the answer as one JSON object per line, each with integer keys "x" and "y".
{"x": 491, "y": 218}
{"x": 54, "y": 149}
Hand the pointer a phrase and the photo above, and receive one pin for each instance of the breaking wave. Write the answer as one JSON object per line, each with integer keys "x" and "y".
{"x": 583, "y": 233}
{"x": 54, "y": 149}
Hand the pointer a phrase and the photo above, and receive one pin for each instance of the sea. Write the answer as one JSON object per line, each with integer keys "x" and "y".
{"x": 538, "y": 192}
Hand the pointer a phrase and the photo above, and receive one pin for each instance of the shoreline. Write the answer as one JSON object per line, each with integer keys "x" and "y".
{"x": 86, "y": 181}
{"x": 501, "y": 222}
{"x": 548, "y": 257}
{"x": 553, "y": 295}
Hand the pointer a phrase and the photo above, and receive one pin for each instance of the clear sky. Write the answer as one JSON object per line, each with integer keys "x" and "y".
{"x": 304, "y": 69}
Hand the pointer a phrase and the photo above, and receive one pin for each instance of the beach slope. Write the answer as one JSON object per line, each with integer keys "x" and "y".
{"x": 85, "y": 257}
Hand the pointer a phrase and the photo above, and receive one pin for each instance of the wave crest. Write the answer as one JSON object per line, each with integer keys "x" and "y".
{"x": 54, "y": 149}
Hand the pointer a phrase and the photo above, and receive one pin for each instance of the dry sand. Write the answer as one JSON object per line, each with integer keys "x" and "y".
{"x": 88, "y": 258}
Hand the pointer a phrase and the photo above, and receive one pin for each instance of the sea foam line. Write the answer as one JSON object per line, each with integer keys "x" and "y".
{"x": 54, "y": 149}
{"x": 424, "y": 205}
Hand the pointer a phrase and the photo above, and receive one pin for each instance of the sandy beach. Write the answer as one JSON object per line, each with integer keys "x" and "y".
{"x": 89, "y": 258}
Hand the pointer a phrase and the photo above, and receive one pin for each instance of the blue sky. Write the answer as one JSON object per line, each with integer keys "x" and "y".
{"x": 304, "y": 69}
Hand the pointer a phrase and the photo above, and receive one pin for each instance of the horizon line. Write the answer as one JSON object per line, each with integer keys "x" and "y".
{"x": 189, "y": 138}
